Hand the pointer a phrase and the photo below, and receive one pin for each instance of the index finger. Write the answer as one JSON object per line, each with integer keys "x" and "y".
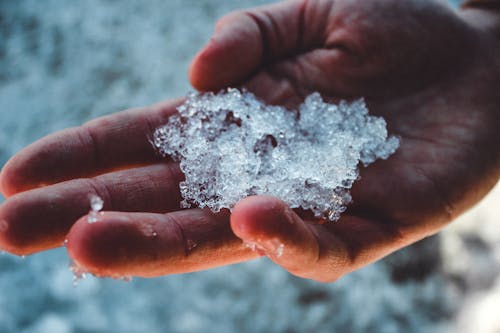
{"x": 105, "y": 144}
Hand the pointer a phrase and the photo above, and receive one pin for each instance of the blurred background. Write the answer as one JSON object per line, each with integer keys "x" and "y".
{"x": 65, "y": 62}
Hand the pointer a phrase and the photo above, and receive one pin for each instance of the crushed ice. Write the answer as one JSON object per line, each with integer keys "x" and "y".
{"x": 96, "y": 205}
{"x": 78, "y": 273}
{"x": 230, "y": 145}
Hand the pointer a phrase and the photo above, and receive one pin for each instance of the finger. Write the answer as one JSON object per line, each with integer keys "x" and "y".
{"x": 112, "y": 142}
{"x": 311, "y": 250}
{"x": 244, "y": 41}
{"x": 147, "y": 245}
{"x": 39, "y": 219}
{"x": 270, "y": 227}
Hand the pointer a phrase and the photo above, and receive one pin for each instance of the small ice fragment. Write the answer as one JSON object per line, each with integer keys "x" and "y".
{"x": 78, "y": 273}
{"x": 125, "y": 278}
{"x": 250, "y": 245}
{"x": 333, "y": 215}
{"x": 273, "y": 248}
{"x": 148, "y": 230}
{"x": 279, "y": 250}
{"x": 231, "y": 145}
{"x": 255, "y": 248}
{"x": 92, "y": 217}
{"x": 96, "y": 205}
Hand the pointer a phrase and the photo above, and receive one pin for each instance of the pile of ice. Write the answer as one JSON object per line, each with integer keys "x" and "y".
{"x": 231, "y": 145}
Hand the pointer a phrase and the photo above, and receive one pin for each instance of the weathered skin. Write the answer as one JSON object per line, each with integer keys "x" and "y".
{"x": 431, "y": 72}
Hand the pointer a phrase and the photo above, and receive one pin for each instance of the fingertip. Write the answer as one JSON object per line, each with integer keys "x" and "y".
{"x": 77, "y": 243}
{"x": 269, "y": 226}
{"x": 9, "y": 243}
{"x": 202, "y": 67}
{"x": 117, "y": 244}
{"x": 259, "y": 217}
{"x": 4, "y": 190}
{"x": 105, "y": 247}
{"x": 9, "y": 179}
{"x": 19, "y": 232}
{"x": 232, "y": 54}
{"x": 28, "y": 168}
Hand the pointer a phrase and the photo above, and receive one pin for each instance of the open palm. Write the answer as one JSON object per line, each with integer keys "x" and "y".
{"x": 426, "y": 70}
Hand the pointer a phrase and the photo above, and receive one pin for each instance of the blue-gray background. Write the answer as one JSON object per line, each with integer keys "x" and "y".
{"x": 65, "y": 62}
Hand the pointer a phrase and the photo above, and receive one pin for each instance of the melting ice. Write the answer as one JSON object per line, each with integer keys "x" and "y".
{"x": 96, "y": 205}
{"x": 231, "y": 145}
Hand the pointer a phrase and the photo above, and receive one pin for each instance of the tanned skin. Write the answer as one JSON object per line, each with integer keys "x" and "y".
{"x": 433, "y": 73}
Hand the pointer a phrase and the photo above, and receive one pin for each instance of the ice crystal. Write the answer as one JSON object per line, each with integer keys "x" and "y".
{"x": 96, "y": 205}
{"x": 230, "y": 145}
{"x": 78, "y": 273}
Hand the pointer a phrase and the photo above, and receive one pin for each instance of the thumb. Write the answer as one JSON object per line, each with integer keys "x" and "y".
{"x": 267, "y": 225}
{"x": 244, "y": 41}
{"x": 231, "y": 55}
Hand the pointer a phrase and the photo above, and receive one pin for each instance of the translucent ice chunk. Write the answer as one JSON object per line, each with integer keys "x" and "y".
{"x": 96, "y": 205}
{"x": 231, "y": 145}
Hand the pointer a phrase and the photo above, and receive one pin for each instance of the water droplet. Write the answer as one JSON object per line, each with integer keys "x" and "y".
{"x": 23, "y": 257}
{"x": 279, "y": 250}
{"x": 65, "y": 242}
{"x": 155, "y": 234}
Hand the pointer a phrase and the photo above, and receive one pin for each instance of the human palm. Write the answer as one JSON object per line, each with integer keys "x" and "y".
{"x": 427, "y": 71}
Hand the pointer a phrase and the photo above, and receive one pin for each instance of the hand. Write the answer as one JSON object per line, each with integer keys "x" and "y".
{"x": 48, "y": 185}
{"x": 430, "y": 73}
